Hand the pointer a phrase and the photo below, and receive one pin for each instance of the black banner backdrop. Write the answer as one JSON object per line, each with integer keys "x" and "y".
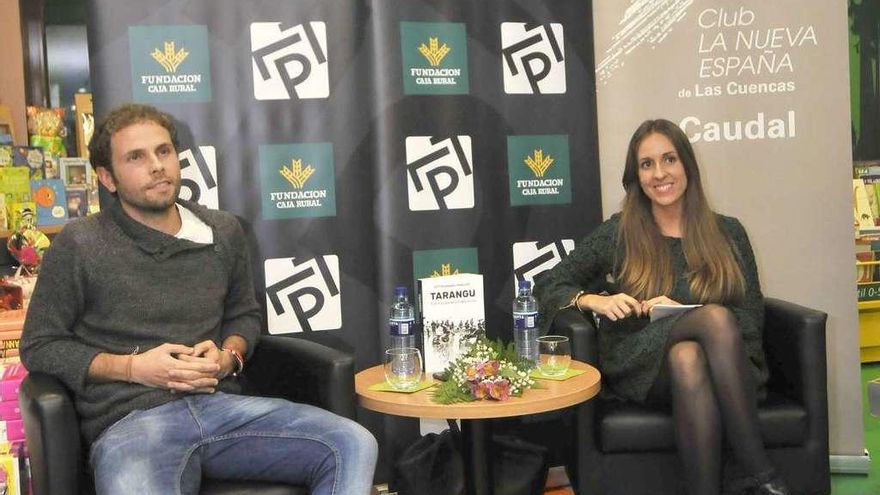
{"x": 365, "y": 144}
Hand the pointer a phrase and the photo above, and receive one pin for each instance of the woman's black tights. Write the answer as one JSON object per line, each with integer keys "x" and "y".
{"x": 708, "y": 382}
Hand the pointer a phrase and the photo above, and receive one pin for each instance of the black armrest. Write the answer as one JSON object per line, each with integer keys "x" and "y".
{"x": 53, "y": 437}
{"x": 794, "y": 344}
{"x": 303, "y": 371}
{"x": 581, "y": 331}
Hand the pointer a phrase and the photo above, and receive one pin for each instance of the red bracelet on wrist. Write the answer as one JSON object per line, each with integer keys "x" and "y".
{"x": 238, "y": 360}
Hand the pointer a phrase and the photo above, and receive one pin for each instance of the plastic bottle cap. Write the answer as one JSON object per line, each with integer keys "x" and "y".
{"x": 400, "y": 290}
{"x": 525, "y": 284}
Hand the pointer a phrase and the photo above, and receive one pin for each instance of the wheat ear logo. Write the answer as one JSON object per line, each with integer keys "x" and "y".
{"x": 445, "y": 269}
{"x": 170, "y": 59}
{"x": 434, "y": 52}
{"x": 538, "y": 163}
{"x": 296, "y": 174}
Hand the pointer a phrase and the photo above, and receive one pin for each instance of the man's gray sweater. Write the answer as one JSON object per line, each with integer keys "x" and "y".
{"x": 111, "y": 284}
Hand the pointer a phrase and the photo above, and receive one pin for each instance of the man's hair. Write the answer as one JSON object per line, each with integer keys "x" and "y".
{"x": 119, "y": 118}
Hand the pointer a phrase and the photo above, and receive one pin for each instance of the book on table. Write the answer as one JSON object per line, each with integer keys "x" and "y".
{"x": 453, "y": 317}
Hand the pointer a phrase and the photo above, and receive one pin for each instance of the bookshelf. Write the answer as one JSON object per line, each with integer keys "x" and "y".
{"x": 869, "y": 311}
{"x": 869, "y": 331}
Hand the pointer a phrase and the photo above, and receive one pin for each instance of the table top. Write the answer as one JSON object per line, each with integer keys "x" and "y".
{"x": 552, "y": 395}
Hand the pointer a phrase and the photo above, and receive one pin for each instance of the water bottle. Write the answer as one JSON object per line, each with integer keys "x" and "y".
{"x": 525, "y": 322}
{"x": 401, "y": 322}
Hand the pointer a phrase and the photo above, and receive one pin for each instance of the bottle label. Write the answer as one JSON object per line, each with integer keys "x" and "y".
{"x": 525, "y": 321}
{"x": 400, "y": 328}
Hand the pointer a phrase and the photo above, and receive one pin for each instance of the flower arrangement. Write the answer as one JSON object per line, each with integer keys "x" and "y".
{"x": 489, "y": 370}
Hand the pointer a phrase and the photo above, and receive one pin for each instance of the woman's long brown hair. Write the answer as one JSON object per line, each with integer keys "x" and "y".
{"x": 646, "y": 268}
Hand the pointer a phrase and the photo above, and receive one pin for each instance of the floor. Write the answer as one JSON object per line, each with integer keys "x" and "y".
{"x": 859, "y": 484}
{"x": 841, "y": 484}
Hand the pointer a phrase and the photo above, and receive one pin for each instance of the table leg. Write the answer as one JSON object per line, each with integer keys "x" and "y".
{"x": 476, "y": 439}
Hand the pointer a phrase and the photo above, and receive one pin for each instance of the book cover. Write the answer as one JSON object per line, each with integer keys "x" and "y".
{"x": 15, "y": 184}
{"x": 75, "y": 171}
{"x": 30, "y": 157}
{"x": 51, "y": 201}
{"x": 85, "y": 122}
{"x": 870, "y": 191}
{"x": 453, "y": 317}
{"x": 4, "y": 218}
{"x": 5, "y": 155}
{"x": 51, "y": 167}
{"x": 864, "y": 256}
{"x": 862, "y": 217}
{"x": 77, "y": 202}
{"x": 862, "y": 168}
{"x": 18, "y": 211}
{"x": 9, "y": 471}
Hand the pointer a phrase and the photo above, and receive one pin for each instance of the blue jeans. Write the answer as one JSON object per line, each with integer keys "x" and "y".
{"x": 166, "y": 449}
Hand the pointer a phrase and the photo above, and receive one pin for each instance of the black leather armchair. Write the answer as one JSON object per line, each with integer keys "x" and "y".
{"x": 627, "y": 449}
{"x": 295, "y": 369}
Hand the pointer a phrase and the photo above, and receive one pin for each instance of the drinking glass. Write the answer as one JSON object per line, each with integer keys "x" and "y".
{"x": 554, "y": 355}
{"x": 403, "y": 367}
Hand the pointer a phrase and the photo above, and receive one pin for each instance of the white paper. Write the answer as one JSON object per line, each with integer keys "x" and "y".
{"x": 663, "y": 310}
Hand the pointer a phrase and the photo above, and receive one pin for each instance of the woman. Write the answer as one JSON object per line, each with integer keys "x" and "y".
{"x": 667, "y": 246}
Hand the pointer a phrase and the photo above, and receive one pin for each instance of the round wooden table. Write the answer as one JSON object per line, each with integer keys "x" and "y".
{"x": 552, "y": 395}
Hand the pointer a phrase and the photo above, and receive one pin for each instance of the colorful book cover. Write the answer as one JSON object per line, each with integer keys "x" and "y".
{"x": 4, "y": 221}
{"x": 75, "y": 171}
{"x": 865, "y": 167}
{"x": 30, "y": 157}
{"x": 77, "y": 202}
{"x": 15, "y": 184}
{"x": 862, "y": 217}
{"x": 51, "y": 167}
{"x": 453, "y": 317}
{"x": 9, "y": 471}
{"x": 17, "y": 211}
{"x": 5, "y": 155}
{"x": 51, "y": 200}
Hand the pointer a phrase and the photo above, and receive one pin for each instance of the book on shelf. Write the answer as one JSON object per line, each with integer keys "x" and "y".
{"x": 453, "y": 317}
{"x": 75, "y": 171}
{"x": 4, "y": 216}
{"x": 862, "y": 168}
{"x": 5, "y": 155}
{"x": 31, "y": 157}
{"x": 52, "y": 166}
{"x": 51, "y": 201}
{"x": 18, "y": 211}
{"x": 864, "y": 255}
{"x": 15, "y": 184}
{"x": 862, "y": 217}
{"x": 77, "y": 202}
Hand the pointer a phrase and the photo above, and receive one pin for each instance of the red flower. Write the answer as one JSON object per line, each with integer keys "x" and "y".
{"x": 499, "y": 389}
{"x": 490, "y": 368}
{"x": 473, "y": 373}
{"x": 480, "y": 390}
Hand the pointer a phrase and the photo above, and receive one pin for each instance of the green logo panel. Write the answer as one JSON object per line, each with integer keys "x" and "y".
{"x": 297, "y": 180}
{"x": 539, "y": 170}
{"x": 169, "y": 64}
{"x": 434, "y": 56}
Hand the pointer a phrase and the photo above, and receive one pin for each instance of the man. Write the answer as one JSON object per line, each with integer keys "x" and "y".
{"x": 143, "y": 310}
